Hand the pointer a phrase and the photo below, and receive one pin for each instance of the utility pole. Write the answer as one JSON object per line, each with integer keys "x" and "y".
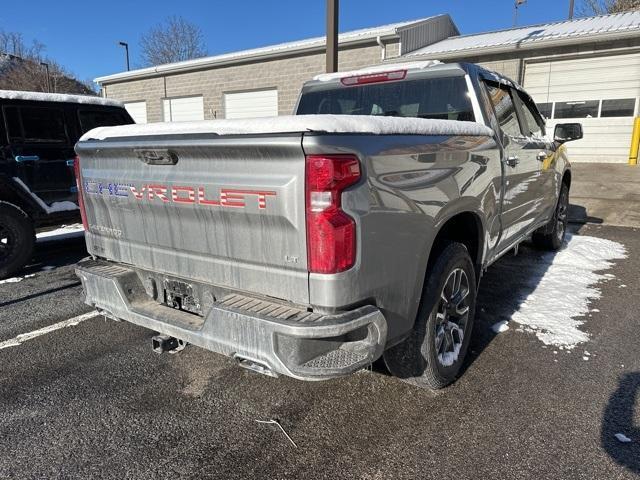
{"x": 126, "y": 48}
{"x": 333, "y": 8}
{"x": 46, "y": 68}
{"x": 571, "y": 5}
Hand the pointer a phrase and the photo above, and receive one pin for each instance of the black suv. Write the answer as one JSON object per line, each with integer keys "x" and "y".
{"x": 37, "y": 184}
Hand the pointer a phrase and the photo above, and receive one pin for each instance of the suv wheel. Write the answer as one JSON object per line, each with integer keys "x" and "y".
{"x": 434, "y": 352}
{"x": 17, "y": 238}
{"x": 551, "y": 236}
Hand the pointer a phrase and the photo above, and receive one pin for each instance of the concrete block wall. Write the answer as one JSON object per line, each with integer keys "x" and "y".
{"x": 286, "y": 74}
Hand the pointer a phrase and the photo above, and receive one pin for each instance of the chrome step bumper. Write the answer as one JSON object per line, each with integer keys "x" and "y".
{"x": 285, "y": 339}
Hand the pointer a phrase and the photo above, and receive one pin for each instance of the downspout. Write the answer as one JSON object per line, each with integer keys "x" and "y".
{"x": 383, "y": 53}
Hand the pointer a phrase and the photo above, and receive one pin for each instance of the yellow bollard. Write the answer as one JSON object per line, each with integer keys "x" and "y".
{"x": 635, "y": 142}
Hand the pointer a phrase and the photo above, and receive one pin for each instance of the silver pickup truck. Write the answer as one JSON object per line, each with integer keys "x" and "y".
{"x": 310, "y": 245}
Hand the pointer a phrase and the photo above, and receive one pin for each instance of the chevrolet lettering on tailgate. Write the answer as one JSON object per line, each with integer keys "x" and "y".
{"x": 199, "y": 195}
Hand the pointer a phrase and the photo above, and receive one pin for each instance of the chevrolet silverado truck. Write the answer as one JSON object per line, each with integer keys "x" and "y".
{"x": 37, "y": 183}
{"x": 311, "y": 245}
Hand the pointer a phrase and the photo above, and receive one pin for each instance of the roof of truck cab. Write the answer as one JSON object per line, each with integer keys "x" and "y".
{"x": 410, "y": 67}
{"x": 58, "y": 97}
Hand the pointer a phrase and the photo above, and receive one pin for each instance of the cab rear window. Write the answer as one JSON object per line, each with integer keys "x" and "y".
{"x": 35, "y": 125}
{"x": 438, "y": 98}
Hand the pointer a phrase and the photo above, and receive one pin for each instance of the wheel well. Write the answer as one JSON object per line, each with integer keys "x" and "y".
{"x": 566, "y": 178}
{"x": 465, "y": 228}
{"x": 9, "y": 195}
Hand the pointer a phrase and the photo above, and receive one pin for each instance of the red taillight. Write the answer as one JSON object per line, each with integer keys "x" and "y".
{"x": 331, "y": 233}
{"x": 83, "y": 213}
{"x": 374, "y": 78}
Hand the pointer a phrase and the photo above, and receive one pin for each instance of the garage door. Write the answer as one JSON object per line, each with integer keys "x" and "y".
{"x": 258, "y": 103}
{"x": 137, "y": 110}
{"x": 183, "y": 109}
{"x": 601, "y": 93}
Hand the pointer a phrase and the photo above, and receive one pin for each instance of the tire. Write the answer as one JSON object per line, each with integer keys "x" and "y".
{"x": 17, "y": 238}
{"x": 551, "y": 236}
{"x": 419, "y": 360}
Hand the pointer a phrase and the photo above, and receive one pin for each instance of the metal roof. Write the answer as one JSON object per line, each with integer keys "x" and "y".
{"x": 572, "y": 31}
{"x": 393, "y": 30}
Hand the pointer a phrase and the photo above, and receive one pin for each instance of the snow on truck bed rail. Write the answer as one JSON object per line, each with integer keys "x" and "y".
{"x": 58, "y": 97}
{"x": 298, "y": 123}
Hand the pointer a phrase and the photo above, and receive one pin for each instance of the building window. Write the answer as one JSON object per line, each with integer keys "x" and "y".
{"x": 545, "y": 109}
{"x": 618, "y": 108}
{"x": 579, "y": 109}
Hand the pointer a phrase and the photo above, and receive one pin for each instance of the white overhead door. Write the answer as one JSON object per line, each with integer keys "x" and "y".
{"x": 137, "y": 110}
{"x": 183, "y": 109}
{"x": 601, "y": 93}
{"x": 258, "y": 103}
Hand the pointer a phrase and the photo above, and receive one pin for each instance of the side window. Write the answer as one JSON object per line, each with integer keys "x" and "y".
{"x": 12, "y": 124}
{"x": 90, "y": 119}
{"x": 532, "y": 120}
{"x": 505, "y": 109}
{"x": 41, "y": 125}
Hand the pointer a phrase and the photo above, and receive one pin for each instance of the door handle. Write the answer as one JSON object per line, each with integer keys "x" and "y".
{"x": 27, "y": 158}
{"x": 542, "y": 156}
{"x": 512, "y": 161}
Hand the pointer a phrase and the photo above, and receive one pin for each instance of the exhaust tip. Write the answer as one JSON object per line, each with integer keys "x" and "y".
{"x": 254, "y": 366}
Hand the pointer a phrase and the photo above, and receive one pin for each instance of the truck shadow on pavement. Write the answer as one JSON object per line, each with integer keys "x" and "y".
{"x": 618, "y": 418}
{"x": 56, "y": 253}
{"x": 504, "y": 288}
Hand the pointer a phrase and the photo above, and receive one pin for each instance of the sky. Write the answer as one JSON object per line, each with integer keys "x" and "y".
{"x": 83, "y": 36}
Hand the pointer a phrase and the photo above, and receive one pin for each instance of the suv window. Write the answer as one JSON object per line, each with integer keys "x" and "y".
{"x": 35, "y": 124}
{"x": 90, "y": 119}
{"x": 439, "y": 98}
{"x": 505, "y": 108}
{"x": 532, "y": 119}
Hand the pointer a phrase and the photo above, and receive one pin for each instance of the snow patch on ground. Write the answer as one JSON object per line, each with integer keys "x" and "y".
{"x": 500, "y": 326}
{"x": 567, "y": 284}
{"x": 298, "y": 123}
{"x": 62, "y": 233}
{"x": 16, "y": 279}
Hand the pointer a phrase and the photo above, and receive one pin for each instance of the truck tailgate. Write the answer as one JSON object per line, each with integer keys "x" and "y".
{"x": 227, "y": 211}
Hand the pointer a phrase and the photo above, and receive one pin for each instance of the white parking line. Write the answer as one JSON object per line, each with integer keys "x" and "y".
{"x": 23, "y": 337}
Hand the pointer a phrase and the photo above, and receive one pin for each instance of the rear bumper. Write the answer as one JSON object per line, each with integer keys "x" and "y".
{"x": 281, "y": 338}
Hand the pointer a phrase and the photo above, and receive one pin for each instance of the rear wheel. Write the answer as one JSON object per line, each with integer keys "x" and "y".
{"x": 434, "y": 352}
{"x": 17, "y": 238}
{"x": 551, "y": 236}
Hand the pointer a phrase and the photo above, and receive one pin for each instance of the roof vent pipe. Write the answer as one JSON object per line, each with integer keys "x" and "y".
{"x": 383, "y": 53}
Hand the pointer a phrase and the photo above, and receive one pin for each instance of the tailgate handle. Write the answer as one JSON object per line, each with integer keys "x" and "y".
{"x": 27, "y": 158}
{"x": 156, "y": 156}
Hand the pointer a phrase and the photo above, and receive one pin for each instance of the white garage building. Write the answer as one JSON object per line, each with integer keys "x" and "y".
{"x": 585, "y": 70}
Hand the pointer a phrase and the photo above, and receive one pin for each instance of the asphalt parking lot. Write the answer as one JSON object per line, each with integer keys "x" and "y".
{"x": 93, "y": 400}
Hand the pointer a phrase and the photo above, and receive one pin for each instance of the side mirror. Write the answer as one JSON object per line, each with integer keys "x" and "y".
{"x": 567, "y": 132}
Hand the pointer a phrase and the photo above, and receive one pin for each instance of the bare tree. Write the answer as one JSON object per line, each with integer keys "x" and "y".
{"x": 173, "y": 40}
{"x": 21, "y": 68}
{"x": 604, "y": 7}
{"x": 13, "y": 43}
